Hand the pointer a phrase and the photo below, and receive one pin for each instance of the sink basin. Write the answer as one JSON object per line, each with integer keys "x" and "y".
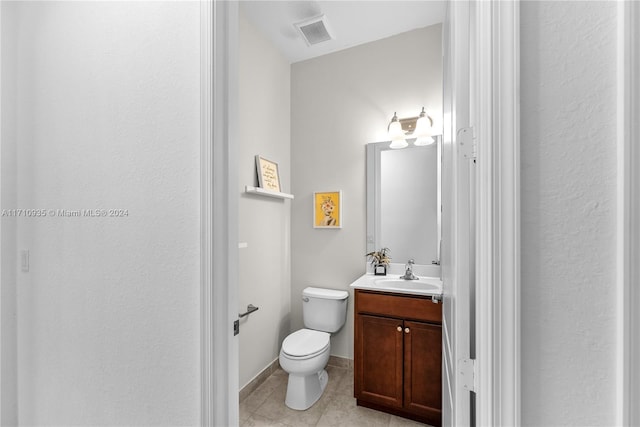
{"x": 422, "y": 286}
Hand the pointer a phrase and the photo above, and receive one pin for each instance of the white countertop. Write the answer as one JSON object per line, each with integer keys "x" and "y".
{"x": 429, "y": 286}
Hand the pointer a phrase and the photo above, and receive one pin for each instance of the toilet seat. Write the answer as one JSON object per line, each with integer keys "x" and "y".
{"x": 305, "y": 344}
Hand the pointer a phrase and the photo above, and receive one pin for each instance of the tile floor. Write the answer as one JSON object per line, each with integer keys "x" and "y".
{"x": 337, "y": 406}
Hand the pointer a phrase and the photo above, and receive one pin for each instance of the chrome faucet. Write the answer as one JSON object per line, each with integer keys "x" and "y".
{"x": 408, "y": 271}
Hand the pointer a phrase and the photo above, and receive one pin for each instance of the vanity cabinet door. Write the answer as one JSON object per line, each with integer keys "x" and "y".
{"x": 379, "y": 360}
{"x": 398, "y": 355}
{"x": 423, "y": 369}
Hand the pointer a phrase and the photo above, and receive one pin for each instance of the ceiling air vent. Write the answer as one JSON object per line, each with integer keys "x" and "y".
{"x": 314, "y": 30}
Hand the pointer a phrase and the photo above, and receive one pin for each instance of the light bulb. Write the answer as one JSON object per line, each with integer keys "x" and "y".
{"x": 395, "y": 129}
{"x": 423, "y": 125}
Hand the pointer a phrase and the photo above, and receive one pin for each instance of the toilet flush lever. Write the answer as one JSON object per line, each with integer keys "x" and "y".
{"x": 305, "y": 299}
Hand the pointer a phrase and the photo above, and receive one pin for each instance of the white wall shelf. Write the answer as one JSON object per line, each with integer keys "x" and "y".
{"x": 262, "y": 192}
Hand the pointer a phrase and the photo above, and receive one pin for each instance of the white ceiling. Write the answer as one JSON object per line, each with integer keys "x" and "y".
{"x": 351, "y": 22}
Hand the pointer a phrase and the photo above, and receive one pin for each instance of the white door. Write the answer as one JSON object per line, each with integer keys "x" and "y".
{"x": 103, "y": 245}
{"x": 457, "y": 222}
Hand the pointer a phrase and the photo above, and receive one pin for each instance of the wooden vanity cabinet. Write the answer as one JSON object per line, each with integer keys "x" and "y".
{"x": 398, "y": 355}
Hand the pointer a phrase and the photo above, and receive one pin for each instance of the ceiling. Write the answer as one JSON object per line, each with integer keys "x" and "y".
{"x": 351, "y": 22}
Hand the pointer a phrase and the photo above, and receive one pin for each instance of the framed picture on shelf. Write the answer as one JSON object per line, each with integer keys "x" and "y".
{"x": 327, "y": 209}
{"x": 268, "y": 176}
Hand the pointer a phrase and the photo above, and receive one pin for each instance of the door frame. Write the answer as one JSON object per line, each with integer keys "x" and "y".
{"x": 218, "y": 213}
{"x": 457, "y": 267}
{"x": 628, "y": 215}
{"x": 495, "y": 100}
{"x": 492, "y": 107}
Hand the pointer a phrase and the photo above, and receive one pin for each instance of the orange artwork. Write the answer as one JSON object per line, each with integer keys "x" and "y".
{"x": 327, "y": 209}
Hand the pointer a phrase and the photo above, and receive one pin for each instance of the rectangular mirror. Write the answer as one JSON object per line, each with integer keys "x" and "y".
{"x": 403, "y": 201}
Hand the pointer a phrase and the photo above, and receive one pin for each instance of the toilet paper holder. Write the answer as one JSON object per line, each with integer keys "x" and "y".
{"x": 250, "y": 309}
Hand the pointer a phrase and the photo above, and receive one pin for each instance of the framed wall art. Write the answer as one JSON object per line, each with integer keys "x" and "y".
{"x": 268, "y": 176}
{"x": 327, "y": 209}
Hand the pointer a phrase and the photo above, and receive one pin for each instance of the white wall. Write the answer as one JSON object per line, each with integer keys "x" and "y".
{"x": 264, "y": 223}
{"x": 339, "y": 103}
{"x": 568, "y": 82}
{"x": 108, "y": 117}
{"x": 8, "y": 262}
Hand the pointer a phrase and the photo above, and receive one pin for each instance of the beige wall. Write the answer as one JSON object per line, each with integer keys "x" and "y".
{"x": 264, "y": 223}
{"x": 339, "y": 103}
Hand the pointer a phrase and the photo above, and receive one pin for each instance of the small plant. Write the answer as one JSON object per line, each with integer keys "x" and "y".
{"x": 380, "y": 257}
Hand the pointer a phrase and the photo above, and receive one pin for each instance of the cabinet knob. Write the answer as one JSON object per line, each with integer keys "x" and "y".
{"x": 406, "y": 330}
{"x": 399, "y": 328}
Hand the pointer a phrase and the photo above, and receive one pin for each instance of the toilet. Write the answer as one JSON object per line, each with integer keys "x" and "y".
{"x": 305, "y": 353}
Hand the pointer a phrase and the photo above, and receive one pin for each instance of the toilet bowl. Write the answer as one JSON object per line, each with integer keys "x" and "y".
{"x": 305, "y": 353}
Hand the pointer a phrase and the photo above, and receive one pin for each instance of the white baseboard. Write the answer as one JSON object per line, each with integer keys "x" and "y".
{"x": 258, "y": 379}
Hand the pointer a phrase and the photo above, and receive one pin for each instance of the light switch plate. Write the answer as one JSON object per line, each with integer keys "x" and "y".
{"x": 24, "y": 260}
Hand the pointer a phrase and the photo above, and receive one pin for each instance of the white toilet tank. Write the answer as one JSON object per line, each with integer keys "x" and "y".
{"x": 324, "y": 309}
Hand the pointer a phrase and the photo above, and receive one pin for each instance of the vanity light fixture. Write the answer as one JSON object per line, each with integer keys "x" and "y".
{"x": 423, "y": 132}
{"x": 419, "y": 128}
{"x": 396, "y": 133}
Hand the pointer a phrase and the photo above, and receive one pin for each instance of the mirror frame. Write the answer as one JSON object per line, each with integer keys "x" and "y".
{"x": 373, "y": 151}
